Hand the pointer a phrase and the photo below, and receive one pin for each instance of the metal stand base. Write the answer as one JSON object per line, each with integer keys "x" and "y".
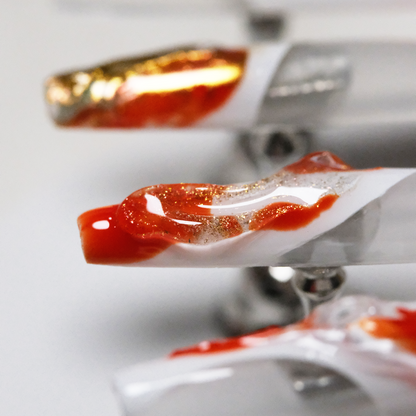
{"x": 318, "y": 285}
{"x": 277, "y": 296}
{"x": 264, "y": 297}
{"x": 263, "y": 27}
{"x": 269, "y": 148}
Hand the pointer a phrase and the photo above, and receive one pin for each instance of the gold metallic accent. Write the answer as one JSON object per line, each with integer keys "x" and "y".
{"x": 157, "y": 90}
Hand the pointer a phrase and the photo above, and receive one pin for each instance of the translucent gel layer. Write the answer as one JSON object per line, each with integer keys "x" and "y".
{"x": 203, "y": 214}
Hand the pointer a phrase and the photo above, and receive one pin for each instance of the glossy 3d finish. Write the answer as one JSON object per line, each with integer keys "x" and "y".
{"x": 236, "y": 225}
{"x": 300, "y": 86}
{"x": 170, "y": 89}
{"x": 202, "y": 88}
{"x": 368, "y": 341}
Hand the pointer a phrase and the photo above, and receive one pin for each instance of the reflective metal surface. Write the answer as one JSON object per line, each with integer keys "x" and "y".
{"x": 318, "y": 285}
{"x": 306, "y": 85}
{"x": 267, "y": 148}
{"x": 343, "y": 84}
{"x": 265, "y": 26}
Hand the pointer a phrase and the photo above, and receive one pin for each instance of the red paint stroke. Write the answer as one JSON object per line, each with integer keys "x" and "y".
{"x": 261, "y": 337}
{"x": 401, "y": 330}
{"x": 229, "y": 344}
{"x": 283, "y": 216}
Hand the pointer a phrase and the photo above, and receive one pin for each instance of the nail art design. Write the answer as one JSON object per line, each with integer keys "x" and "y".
{"x": 369, "y": 342}
{"x": 188, "y": 87}
{"x": 170, "y": 89}
{"x": 193, "y": 225}
{"x": 361, "y": 319}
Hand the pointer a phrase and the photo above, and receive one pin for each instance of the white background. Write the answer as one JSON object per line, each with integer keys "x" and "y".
{"x": 66, "y": 326}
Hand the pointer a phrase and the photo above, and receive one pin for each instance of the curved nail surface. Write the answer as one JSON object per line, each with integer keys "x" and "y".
{"x": 213, "y": 87}
{"x": 255, "y": 224}
{"x": 369, "y": 342}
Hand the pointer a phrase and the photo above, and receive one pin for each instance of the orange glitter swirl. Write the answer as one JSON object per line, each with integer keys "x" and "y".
{"x": 181, "y": 213}
{"x": 184, "y": 213}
